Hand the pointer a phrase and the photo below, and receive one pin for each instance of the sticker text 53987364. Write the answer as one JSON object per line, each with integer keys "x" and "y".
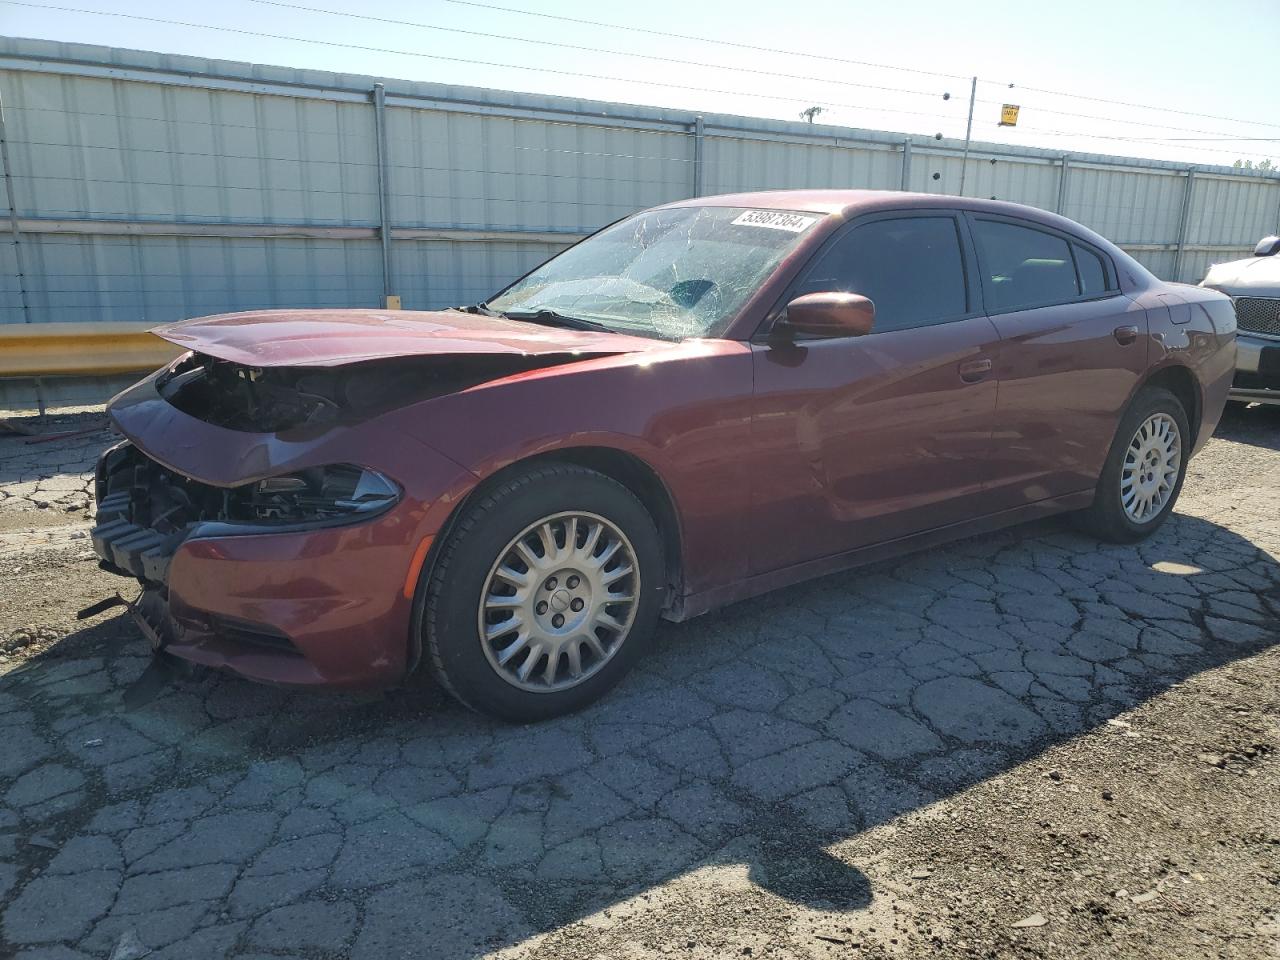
{"x": 776, "y": 220}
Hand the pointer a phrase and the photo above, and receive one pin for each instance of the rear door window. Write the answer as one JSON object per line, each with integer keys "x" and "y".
{"x": 910, "y": 268}
{"x": 1023, "y": 267}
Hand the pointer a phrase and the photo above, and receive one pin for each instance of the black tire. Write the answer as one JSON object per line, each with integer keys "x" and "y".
{"x": 453, "y": 587}
{"x": 1106, "y": 519}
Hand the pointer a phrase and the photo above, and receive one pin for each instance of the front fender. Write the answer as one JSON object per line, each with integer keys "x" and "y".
{"x": 686, "y": 412}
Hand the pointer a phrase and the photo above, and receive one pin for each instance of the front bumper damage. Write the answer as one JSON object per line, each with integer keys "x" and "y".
{"x": 131, "y": 549}
{"x": 314, "y": 591}
{"x": 324, "y": 604}
{"x": 135, "y": 549}
{"x": 149, "y": 611}
{"x": 292, "y": 605}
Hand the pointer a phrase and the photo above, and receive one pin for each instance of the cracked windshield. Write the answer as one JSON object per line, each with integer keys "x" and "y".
{"x": 671, "y": 273}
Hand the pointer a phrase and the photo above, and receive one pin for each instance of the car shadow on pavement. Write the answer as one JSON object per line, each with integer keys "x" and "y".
{"x": 225, "y": 817}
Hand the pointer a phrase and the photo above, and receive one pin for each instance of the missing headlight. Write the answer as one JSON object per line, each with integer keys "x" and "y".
{"x": 321, "y": 493}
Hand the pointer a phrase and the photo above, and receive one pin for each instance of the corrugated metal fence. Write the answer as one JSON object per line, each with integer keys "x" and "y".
{"x": 155, "y": 187}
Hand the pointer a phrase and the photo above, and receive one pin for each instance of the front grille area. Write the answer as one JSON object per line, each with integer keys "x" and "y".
{"x": 129, "y": 547}
{"x": 145, "y": 511}
{"x": 1259, "y": 315}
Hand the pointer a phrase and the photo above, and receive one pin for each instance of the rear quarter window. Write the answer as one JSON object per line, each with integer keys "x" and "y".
{"x": 1093, "y": 274}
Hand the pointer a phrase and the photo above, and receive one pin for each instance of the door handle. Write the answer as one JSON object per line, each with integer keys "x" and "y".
{"x": 1126, "y": 335}
{"x": 971, "y": 371}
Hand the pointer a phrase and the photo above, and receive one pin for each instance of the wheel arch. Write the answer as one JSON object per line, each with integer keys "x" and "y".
{"x": 633, "y": 472}
{"x": 643, "y": 480}
{"x": 1181, "y": 381}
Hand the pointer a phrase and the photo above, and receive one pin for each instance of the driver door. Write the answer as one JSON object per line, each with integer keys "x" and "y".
{"x": 867, "y": 439}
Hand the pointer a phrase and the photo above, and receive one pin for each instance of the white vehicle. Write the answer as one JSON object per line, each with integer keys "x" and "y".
{"x": 1253, "y": 284}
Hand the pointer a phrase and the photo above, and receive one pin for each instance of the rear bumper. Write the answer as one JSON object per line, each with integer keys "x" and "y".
{"x": 1257, "y": 378}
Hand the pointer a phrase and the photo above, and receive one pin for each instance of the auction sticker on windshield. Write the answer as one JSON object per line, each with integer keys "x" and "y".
{"x": 776, "y": 220}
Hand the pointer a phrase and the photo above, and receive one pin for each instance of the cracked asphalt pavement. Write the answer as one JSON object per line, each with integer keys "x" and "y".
{"x": 1024, "y": 744}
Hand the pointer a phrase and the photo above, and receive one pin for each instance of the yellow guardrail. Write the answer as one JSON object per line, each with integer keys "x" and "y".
{"x": 80, "y": 349}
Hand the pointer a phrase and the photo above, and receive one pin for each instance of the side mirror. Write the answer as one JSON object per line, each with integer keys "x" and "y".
{"x": 1267, "y": 247}
{"x": 828, "y": 315}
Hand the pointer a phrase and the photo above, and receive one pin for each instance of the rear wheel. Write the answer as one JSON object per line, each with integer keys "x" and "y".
{"x": 546, "y": 592}
{"x": 1144, "y": 470}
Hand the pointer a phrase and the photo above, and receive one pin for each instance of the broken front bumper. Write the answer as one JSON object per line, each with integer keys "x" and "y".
{"x": 295, "y": 604}
{"x": 324, "y": 606}
{"x": 250, "y": 604}
{"x": 128, "y": 548}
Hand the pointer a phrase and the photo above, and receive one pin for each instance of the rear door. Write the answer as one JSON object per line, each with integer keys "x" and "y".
{"x": 866, "y": 439}
{"x": 1072, "y": 348}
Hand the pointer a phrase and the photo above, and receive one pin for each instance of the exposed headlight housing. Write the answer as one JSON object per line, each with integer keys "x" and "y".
{"x": 338, "y": 491}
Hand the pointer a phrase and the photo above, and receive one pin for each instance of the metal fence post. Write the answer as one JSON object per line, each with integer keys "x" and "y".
{"x": 698, "y": 162}
{"x": 1062, "y": 186}
{"x": 1182, "y": 222}
{"x": 15, "y": 233}
{"x": 389, "y": 300}
{"x": 906, "y": 164}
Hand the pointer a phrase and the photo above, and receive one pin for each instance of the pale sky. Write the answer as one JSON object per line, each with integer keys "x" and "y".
{"x": 1218, "y": 59}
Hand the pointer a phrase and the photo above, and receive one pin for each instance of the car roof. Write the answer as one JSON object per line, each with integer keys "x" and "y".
{"x": 852, "y": 202}
{"x": 809, "y": 201}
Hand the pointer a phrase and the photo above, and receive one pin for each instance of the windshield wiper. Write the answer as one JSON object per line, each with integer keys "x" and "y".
{"x": 481, "y": 308}
{"x": 553, "y": 319}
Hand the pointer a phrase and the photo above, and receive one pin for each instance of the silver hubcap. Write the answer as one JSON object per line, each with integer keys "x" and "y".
{"x": 559, "y": 602}
{"x": 1151, "y": 467}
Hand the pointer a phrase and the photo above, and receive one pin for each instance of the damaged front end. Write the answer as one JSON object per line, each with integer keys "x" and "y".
{"x": 271, "y": 498}
{"x": 145, "y": 510}
{"x": 301, "y": 401}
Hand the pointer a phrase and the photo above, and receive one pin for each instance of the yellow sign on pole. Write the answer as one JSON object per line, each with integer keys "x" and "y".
{"x": 1009, "y": 115}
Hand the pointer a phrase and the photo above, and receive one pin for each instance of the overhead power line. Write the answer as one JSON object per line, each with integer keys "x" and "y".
{"x": 667, "y": 35}
{"x": 931, "y": 94}
{"x": 1129, "y": 103}
{"x": 819, "y": 56}
{"x": 1192, "y": 139}
{"x": 240, "y": 31}
{"x": 1159, "y": 142}
{"x": 1124, "y": 120}
{"x": 605, "y": 77}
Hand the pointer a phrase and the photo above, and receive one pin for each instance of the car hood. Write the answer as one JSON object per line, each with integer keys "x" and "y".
{"x": 328, "y": 338}
{"x": 1253, "y": 276}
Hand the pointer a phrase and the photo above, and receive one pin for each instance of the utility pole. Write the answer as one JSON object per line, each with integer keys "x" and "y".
{"x": 968, "y": 132}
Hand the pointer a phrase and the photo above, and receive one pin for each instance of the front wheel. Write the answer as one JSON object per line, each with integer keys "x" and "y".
{"x": 1144, "y": 470}
{"x": 545, "y": 593}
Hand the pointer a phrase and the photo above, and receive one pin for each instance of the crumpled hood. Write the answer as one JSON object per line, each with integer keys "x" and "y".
{"x": 1253, "y": 276}
{"x": 328, "y": 338}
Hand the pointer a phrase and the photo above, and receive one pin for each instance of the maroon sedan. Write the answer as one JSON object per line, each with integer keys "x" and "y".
{"x": 697, "y": 404}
